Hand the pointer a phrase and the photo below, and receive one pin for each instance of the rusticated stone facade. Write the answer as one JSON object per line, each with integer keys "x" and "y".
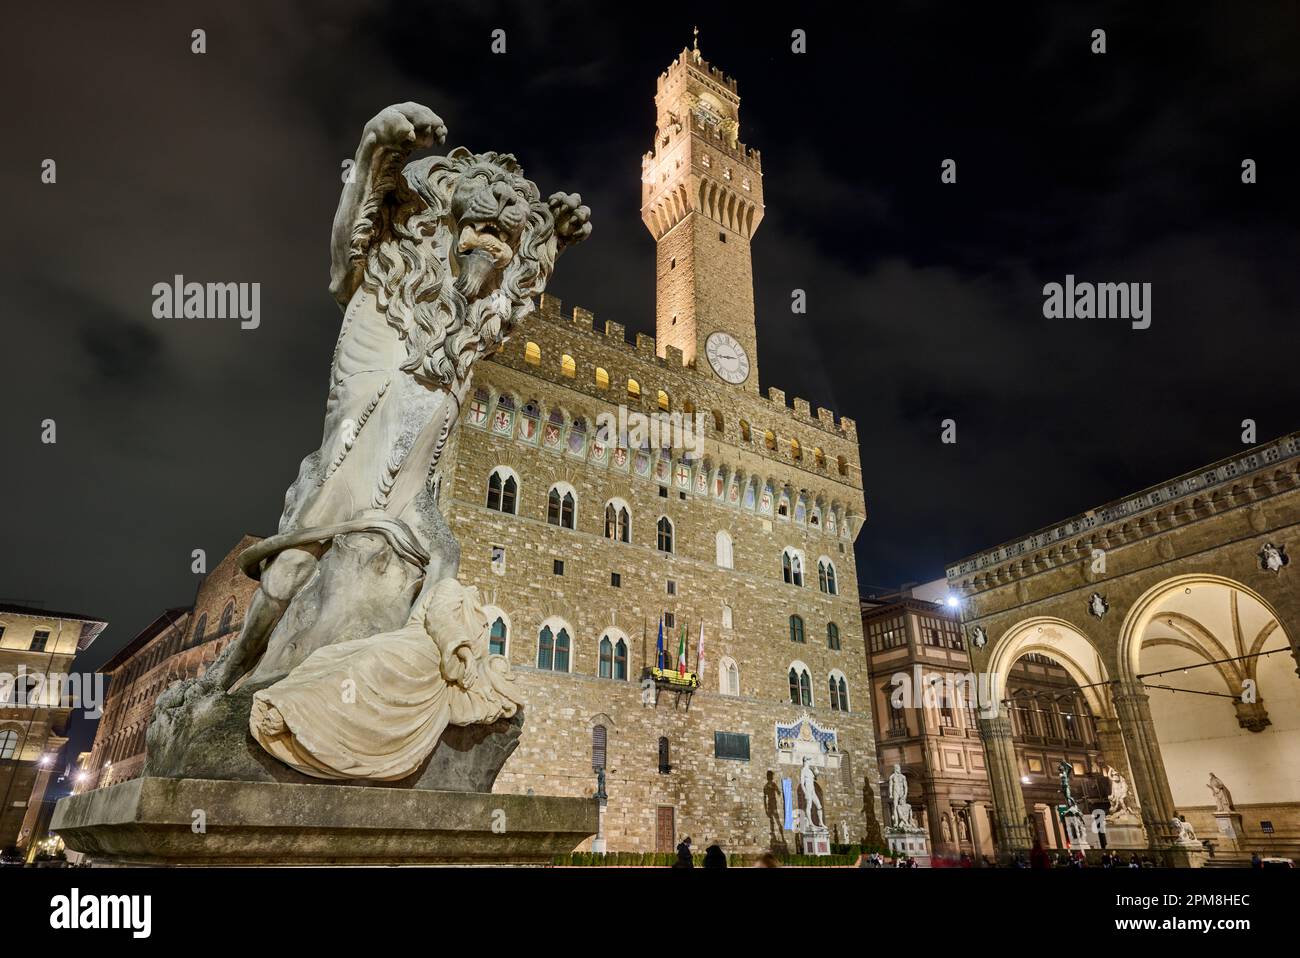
{"x": 774, "y": 494}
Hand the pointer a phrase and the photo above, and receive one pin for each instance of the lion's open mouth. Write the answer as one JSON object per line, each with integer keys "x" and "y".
{"x": 485, "y": 236}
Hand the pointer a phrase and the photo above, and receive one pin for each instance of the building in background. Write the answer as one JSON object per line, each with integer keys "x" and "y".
{"x": 1176, "y": 611}
{"x": 927, "y": 724}
{"x": 582, "y": 548}
{"x": 37, "y": 647}
{"x": 180, "y": 644}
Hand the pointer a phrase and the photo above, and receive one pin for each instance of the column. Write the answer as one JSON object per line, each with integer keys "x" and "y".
{"x": 1014, "y": 833}
{"x": 1147, "y": 766}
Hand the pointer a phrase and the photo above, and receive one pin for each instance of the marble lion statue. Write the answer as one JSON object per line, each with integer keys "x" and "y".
{"x": 434, "y": 262}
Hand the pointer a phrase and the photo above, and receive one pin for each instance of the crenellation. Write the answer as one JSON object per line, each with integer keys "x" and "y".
{"x": 584, "y": 319}
{"x": 849, "y": 428}
{"x": 615, "y": 331}
{"x": 825, "y": 417}
{"x": 777, "y": 396}
{"x": 645, "y": 344}
{"x": 551, "y": 306}
{"x": 674, "y": 357}
{"x": 801, "y": 408}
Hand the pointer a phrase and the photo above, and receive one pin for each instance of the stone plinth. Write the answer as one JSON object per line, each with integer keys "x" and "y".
{"x": 1128, "y": 835}
{"x": 913, "y": 844}
{"x": 1229, "y": 828}
{"x": 815, "y": 840}
{"x": 154, "y": 821}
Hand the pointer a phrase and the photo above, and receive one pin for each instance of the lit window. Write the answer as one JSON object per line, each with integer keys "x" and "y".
{"x": 664, "y": 404}
{"x": 533, "y": 354}
{"x": 567, "y": 366}
{"x": 633, "y": 389}
{"x": 602, "y": 378}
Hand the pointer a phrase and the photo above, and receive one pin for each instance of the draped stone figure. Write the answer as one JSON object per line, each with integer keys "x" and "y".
{"x": 434, "y": 262}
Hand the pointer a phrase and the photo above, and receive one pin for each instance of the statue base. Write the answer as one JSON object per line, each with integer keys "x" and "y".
{"x": 1229, "y": 828}
{"x": 815, "y": 840}
{"x": 911, "y": 844}
{"x": 1126, "y": 835}
{"x": 187, "y": 821}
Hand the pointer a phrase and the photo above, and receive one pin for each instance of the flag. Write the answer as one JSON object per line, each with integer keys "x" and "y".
{"x": 660, "y": 657}
{"x": 681, "y": 652}
{"x": 699, "y": 654}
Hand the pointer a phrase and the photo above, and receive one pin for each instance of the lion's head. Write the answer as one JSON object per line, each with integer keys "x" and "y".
{"x": 467, "y": 244}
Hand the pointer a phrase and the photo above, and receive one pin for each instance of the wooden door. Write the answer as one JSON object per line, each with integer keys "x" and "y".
{"x": 665, "y": 829}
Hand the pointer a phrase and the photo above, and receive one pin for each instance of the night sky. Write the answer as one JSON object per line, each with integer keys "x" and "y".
{"x": 925, "y": 299}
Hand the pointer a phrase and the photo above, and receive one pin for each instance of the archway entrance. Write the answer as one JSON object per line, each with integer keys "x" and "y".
{"x": 1216, "y": 666}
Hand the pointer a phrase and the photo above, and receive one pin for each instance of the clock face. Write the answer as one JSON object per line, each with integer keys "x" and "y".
{"x": 727, "y": 357}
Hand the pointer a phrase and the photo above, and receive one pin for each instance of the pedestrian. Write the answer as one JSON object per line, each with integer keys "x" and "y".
{"x": 714, "y": 857}
{"x": 684, "y": 854}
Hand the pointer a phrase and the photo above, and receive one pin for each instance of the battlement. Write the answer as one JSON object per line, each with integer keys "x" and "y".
{"x": 646, "y": 348}
{"x": 692, "y": 59}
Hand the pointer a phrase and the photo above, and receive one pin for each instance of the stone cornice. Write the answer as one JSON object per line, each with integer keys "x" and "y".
{"x": 1216, "y": 476}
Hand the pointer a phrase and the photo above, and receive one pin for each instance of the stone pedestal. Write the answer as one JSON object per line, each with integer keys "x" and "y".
{"x": 1128, "y": 835}
{"x": 1229, "y": 827}
{"x": 163, "y": 821}
{"x": 815, "y": 840}
{"x": 911, "y": 844}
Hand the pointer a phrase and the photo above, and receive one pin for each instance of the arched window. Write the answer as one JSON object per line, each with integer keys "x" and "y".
{"x": 559, "y": 507}
{"x": 819, "y": 457}
{"x": 842, "y": 465}
{"x": 602, "y": 378}
{"x": 744, "y": 431}
{"x": 599, "y": 739}
{"x": 665, "y": 766}
{"x": 8, "y": 744}
{"x": 791, "y": 567}
{"x": 769, "y": 439}
{"x": 620, "y": 659}
{"x": 499, "y": 636}
{"x": 553, "y": 649}
{"x": 796, "y": 629}
{"x": 839, "y": 691}
{"x": 832, "y": 636}
{"x": 664, "y": 539}
{"x": 728, "y": 677}
{"x": 503, "y": 491}
{"x": 726, "y": 555}
{"x": 717, "y": 420}
{"x": 633, "y": 389}
{"x": 800, "y": 685}
{"x": 227, "y": 617}
{"x": 826, "y": 577}
{"x": 567, "y": 366}
{"x": 664, "y": 403}
{"x": 613, "y": 657}
{"x": 618, "y": 521}
{"x": 532, "y": 354}
{"x": 200, "y": 628}
{"x": 796, "y": 451}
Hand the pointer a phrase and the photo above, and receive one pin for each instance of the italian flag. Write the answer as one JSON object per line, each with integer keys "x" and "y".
{"x": 681, "y": 652}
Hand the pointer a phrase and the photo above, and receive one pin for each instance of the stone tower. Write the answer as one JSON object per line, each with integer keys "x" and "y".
{"x": 702, "y": 200}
